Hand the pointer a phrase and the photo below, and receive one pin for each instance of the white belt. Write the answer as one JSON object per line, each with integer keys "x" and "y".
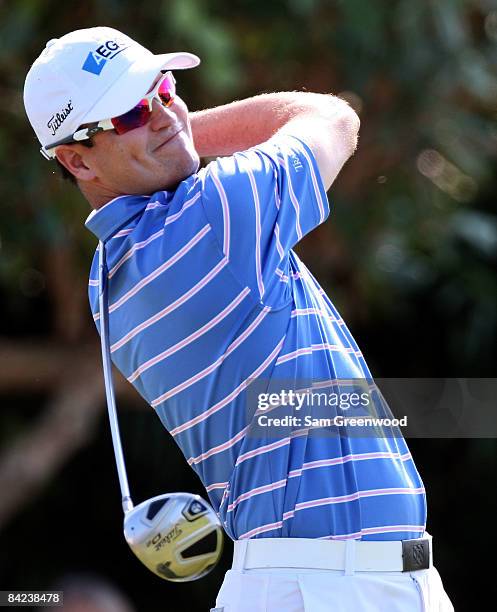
{"x": 346, "y": 555}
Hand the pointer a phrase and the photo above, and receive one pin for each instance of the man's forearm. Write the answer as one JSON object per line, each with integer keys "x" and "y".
{"x": 239, "y": 125}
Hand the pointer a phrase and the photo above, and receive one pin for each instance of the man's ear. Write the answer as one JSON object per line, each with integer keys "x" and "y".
{"x": 74, "y": 161}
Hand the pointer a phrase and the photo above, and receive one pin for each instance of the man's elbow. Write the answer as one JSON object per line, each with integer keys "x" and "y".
{"x": 343, "y": 138}
{"x": 349, "y": 125}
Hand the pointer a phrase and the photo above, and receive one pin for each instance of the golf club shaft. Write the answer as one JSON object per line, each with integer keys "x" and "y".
{"x": 127, "y": 502}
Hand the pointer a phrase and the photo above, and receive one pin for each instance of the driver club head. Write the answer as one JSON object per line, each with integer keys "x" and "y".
{"x": 177, "y": 536}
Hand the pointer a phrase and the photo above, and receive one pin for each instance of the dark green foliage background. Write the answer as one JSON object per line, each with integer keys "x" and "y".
{"x": 408, "y": 255}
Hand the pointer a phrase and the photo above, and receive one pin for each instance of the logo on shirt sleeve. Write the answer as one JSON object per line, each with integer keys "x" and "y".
{"x": 297, "y": 164}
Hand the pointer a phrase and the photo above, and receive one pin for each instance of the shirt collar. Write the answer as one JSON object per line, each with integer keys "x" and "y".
{"x": 111, "y": 217}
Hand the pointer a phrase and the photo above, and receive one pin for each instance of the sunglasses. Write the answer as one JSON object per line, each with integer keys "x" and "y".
{"x": 164, "y": 91}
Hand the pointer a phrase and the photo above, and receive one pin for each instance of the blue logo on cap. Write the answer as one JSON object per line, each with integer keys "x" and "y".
{"x": 97, "y": 59}
{"x": 94, "y": 63}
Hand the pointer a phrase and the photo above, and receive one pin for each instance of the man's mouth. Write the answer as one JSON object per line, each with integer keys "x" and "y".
{"x": 168, "y": 139}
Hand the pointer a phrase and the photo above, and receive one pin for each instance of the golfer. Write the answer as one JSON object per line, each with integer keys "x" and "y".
{"x": 207, "y": 301}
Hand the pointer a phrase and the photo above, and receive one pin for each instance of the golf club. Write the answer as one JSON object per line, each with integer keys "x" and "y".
{"x": 178, "y": 536}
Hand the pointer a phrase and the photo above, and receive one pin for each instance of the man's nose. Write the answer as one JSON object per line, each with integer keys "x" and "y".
{"x": 162, "y": 116}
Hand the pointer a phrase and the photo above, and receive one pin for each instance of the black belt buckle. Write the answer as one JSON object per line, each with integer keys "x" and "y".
{"x": 415, "y": 554}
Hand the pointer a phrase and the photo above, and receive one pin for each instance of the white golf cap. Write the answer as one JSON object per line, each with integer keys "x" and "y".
{"x": 90, "y": 75}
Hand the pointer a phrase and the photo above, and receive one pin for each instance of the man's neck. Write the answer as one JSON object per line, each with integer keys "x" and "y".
{"x": 97, "y": 196}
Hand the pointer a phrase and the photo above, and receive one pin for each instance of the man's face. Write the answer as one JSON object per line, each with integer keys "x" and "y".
{"x": 155, "y": 156}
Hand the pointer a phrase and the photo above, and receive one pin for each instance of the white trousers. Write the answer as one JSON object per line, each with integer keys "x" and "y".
{"x": 277, "y": 589}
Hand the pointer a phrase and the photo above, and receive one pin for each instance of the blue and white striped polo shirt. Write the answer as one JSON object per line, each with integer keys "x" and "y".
{"x": 207, "y": 295}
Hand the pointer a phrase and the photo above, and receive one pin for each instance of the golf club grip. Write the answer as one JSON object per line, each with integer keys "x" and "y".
{"x": 109, "y": 385}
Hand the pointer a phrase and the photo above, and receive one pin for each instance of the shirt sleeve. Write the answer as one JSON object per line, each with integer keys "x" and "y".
{"x": 260, "y": 203}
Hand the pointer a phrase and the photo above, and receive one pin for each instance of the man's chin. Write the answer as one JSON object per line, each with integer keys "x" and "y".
{"x": 172, "y": 184}
{"x": 190, "y": 168}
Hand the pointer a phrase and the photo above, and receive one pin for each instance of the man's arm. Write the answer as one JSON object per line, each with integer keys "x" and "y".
{"x": 327, "y": 124}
